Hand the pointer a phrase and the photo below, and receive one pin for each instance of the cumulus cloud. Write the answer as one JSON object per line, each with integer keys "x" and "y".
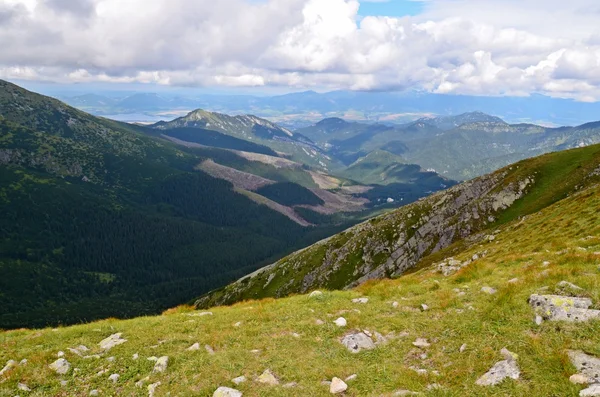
{"x": 500, "y": 47}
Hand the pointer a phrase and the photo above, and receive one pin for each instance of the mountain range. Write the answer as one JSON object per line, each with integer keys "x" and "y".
{"x": 102, "y": 218}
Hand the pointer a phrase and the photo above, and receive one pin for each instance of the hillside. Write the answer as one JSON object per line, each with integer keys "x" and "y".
{"x": 457, "y": 147}
{"x": 391, "y": 244}
{"x": 436, "y": 331}
{"x": 104, "y": 219}
{"x": 249, "y": 128}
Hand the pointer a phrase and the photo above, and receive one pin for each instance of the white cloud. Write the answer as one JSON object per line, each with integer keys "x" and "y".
{"x": 506, "y": 47}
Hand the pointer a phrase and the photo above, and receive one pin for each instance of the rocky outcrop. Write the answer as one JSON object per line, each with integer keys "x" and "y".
{"x": 388, "y": 245}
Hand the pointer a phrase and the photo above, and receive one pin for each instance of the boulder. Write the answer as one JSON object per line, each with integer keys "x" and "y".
{"x": 60, "y": 366}
{"x": 268, "y": 378}
{"x": 357, "y": 342}
{"x": 592, "y": 391}
{"x": 507, "y": 368}
{"x": 588, "y": 366}
{"x": 563, "y": 308}
{"x": 161, "y": 364}
{"x": 337, "y": 386}
{"x": 227, "y": 392}
{"x": 112, "y": 341}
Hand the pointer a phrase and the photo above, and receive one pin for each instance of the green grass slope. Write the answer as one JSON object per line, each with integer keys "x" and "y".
{"x": 297, "y": 340}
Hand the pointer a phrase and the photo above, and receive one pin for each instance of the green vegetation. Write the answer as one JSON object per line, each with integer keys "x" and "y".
{"x": 100, "y": 219}
{"x": 290, "y": 194}
{"x": 560, "y": 242}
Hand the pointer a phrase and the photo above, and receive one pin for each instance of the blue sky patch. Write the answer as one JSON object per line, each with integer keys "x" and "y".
{"x": 391, "y": 8}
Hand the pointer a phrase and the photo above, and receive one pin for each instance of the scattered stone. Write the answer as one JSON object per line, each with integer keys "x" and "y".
{"x": 239, "y": 379}
{"x": 23, "y": 362}
{"x": 64, "y": 383}
{"x": 351, "y": 378}
{"x": 194, "y": 347}
{"x": 513, "y": 281}
{"x": 424, "y": 307}
{"x": 140, "y": 383}
{"x": 161, "y": 364}
{"x": 319, "y": 322}
{"x": 489, "y": 290}
{"x": 290, "y": 385}
{"x": 357, "y": 342}
{"x": 114, "y": 378}
{"x": 586, "y": 365}
{"x": 402, "y": 393}
{"x": 580, "y": 379}
{"x": 567, "y": 285}
{"x": 152, "y": 389}
{"x": 9, "y": 365}
{"x": 110, "y": 359}
{"x": 23, "y": 387}
{"x": 463, "y": 348}
{"x": 563, "y": 308}
{"x": 421, "y": 343}
{"x": 592, "y": 391}
{"x": 227, "y": 392}
{"x": 341, "y": 322}
{"x": 60, "y": 354}
{"x": 337, "y": 386}
{"x": 94, "y": 393}
{"x": 153, "y": 358}
{"x": 209, "y": 350}
{"x": 545, "y": 263}
{"x": 268, "y": 378}
{"x": 135, "y": 356}
{"x": 202, "y": 314}
{"x": 395, "y": 304}
{"x": 255, "y": 351}
{"x": 60, "y": 366}
{"x": 360, "y": 300}
{"x": 296, "y": 335}
{"x": 238, "y": 324}
{"x": 315, "y": 294}
{"x": 75, "y": 351}
{"x": 94, "y": 356}
{"x": 419, "y": 371}
{"x": 507, "y": 368}
{"x": 112, "y": 341}
{"x": 434, "y": 386}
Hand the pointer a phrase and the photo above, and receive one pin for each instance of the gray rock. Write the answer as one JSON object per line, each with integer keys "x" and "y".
{"x": 424, "y": 307}
{"x": 357, "y": 342}
{"x": 227, "y": 392}
{"x": 567, "y": 285}
{"x": 507, "y": 368}
{"x": 112, "y": 341}
{"x": 23, "y": 362}
{"x": 94, "y": 393}
{"x": 135, "y": 356}
{"x": 421, "y": 343}
{"x": 402, "y": 393}
{"x": 114, "y": 378}
{"x": 209, "y": 350}
{"x": 315, "y": 294}
{"x": 539, "y": 320}
{"x": 161, "y": 364}
{"x": 60, "y": 366}
{"x": 337, "y": 386}
{"x": 290, "y": 385}
{"x": 563, "y": 308}
{"x": 592, "y": 391}
{"x": 360, "y": 300}
{"x": 201, "y": 314}
{"x": 341, "y": 322}
{"x": 268, "y": 378}
{"x": 319, "y": 322}
{"x": 580, "y": 379}
{"x": 239, "y": 380}
{"x": 194, "y": 347}
{"x": 351, "y": 378}
{"x": 586, "y": 365}
{"x": 23, "y": 387}
{"x": 152, "y": 389}
{"x": 489, "y": 290}
{"x": 463, "y": 348}
{"x": 10, "y": 364}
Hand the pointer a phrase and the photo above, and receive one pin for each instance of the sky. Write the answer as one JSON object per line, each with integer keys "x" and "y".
{"x": 468, "y": 47}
